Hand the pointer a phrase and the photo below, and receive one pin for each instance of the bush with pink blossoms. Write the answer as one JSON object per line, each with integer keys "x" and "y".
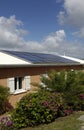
{"x": 37, "y": 108}
{"x": 6, "y": 123}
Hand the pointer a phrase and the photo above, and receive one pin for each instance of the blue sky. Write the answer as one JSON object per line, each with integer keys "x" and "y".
{"x": 38, "y": 16}
{"x": 49, "y": 26}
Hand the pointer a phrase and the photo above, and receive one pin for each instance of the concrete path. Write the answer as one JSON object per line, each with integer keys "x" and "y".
{"x": 82, "y": 119}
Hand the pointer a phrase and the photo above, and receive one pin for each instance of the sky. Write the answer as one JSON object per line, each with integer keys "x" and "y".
{"x": 47, "y": 26}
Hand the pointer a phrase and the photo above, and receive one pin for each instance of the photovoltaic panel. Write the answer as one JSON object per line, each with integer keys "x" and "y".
{"x": 39, "y": 58}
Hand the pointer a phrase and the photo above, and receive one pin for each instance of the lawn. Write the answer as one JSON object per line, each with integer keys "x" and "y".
{"x": 70, "y": 122}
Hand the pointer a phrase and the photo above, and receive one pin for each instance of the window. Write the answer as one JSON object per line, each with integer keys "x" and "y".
{"x": 19, "y": 84}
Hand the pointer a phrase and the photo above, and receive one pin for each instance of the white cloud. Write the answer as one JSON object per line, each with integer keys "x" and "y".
{"x": 10, "y": 34}
{"x": 12, "y": 37}
{"x": 52, "y": 41}
{"x": 58, "y": 36}
{"x": 73, "y": 13}
{"x": 57, "y": 43}
{"x": 49, "y": 44}
{"x": 73, "y": 17}
{"x": 80, "y": 33}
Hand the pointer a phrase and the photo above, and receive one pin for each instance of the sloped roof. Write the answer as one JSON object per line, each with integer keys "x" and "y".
{"x": 40, "y": 58}
{"x": 73, "y": 58}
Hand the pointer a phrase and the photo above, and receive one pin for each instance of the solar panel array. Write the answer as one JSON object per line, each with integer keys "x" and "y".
{"x": 40, "y": 58}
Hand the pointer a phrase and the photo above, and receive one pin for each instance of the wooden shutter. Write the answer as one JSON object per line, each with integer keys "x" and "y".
{"x": 27, "y": 82}
{"x": 11, "y": 85}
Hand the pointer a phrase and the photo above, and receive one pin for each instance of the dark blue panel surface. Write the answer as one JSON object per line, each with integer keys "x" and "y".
{"x": 39, "y": 58}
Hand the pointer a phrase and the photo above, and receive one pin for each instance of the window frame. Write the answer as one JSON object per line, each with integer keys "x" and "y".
{"x": 25, "y": 83}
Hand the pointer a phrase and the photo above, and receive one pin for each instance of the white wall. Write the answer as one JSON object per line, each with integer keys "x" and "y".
{"x": 6, "y": 59}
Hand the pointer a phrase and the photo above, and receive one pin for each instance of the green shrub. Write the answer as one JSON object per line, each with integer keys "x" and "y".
{"x": 4, "y": 93}
{"x": 74, "y": 87}
{"x": 64, "y": 110}
{"x": 55, "y": 81}
{"x": 69, "y": 83}
{"x": 6, "y": 123}
{"x": 36, "y": 108}
{"x": 81, "y": 101}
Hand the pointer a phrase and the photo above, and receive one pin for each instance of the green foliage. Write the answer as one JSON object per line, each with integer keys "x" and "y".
{"x": 69, "y": 83}
{"x": 65, "y": 123}
{"x": 37, "y": 108}
{"x": 54, "y": 81}
{"x": 4, "y": 93}
{"x": 6, "y": 123}
{"x": 74, "y": 87}
{"x": 60, "y": 94}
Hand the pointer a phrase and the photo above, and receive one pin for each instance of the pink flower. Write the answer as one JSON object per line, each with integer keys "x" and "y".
{"x": 81, "y": 96}
{"x": 45, "y": 103}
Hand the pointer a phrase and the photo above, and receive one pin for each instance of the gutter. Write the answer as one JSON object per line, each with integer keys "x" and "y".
{"x": 39, "y": 65}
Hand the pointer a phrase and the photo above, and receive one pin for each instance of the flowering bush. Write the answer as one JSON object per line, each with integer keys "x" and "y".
{"x": 69, "y": 83}
{"x": 6, "y": 123}
{"x": 81, "y": 101}
{"x": 37, "y": 108}
{"x": 64, "y": 110}
{"x": 81, "y": 96}
{"x": 68, "y": 112}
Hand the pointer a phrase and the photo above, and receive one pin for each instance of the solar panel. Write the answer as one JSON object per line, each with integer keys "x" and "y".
{"x": 39, "y": 58}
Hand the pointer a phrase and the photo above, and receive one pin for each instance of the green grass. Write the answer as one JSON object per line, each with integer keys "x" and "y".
{"x": 70, "y": 122}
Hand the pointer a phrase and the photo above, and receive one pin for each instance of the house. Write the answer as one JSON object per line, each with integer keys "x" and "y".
{"x": 19, "y": 69}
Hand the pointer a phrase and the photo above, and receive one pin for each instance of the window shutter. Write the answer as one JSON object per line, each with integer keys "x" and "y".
{"x": 27, "y": 82}
{"x": 11, "y": 85}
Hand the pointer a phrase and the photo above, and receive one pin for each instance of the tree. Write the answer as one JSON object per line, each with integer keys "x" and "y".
{"x": 69, "y": 83}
